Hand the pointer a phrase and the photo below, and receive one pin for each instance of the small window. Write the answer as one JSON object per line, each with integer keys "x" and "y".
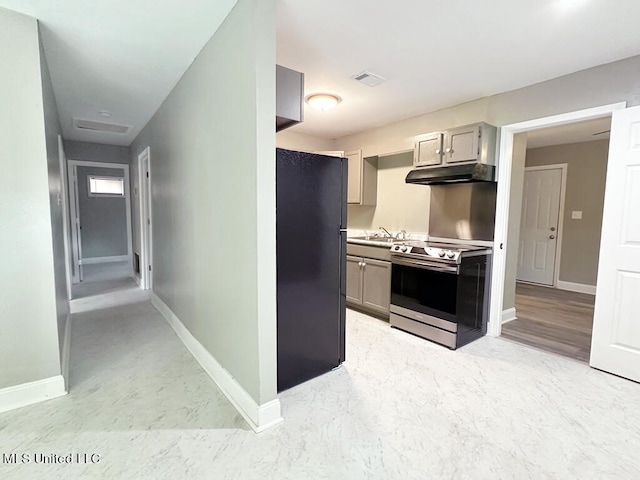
{"x": 106, "y": 186}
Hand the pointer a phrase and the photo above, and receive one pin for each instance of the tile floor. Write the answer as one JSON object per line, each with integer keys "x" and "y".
{"x": 399, "y": 408}
{"x": 100, "y": 293}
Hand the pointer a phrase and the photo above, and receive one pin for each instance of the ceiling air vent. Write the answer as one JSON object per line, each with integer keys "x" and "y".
{"x": 368, "y": 78}
{"x": 100, "y": 126}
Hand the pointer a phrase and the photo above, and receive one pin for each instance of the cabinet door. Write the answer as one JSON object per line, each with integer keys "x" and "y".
{"x": 461, "y": 144}
{"x": 354, "y": 280}
{"x": 354, "y": 179}
{"x": 427, "y": 150}
{"x": 376, "y": 286}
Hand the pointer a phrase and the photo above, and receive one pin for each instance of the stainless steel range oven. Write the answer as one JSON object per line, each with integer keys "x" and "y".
{"x": 439, "y": 291}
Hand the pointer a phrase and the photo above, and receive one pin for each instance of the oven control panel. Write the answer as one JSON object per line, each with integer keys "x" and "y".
{"x": 432, "y": 252}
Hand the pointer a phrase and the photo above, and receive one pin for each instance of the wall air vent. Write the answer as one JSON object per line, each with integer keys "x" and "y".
{"x": 100, "y": 126}
{"x": 368, "y": 78}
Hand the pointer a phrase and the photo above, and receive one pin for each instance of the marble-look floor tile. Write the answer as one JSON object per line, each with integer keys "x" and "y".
{"x": 399, "y": 408}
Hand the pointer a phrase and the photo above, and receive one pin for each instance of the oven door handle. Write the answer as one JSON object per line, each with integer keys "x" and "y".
{"x": 425, "y": 265}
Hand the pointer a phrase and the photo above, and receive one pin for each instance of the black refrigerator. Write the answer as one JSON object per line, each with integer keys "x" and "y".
{"x": 311, "y": 218}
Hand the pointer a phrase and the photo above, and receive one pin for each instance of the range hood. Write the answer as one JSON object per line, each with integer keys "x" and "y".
{"x": 471, "y": 172}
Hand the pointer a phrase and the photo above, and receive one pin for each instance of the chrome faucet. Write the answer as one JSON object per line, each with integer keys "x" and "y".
{"x": 401, "y": 235}
{"x": 386, "y": 231}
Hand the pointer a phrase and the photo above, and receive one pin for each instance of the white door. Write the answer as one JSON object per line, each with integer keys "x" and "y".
{"x": 539, "y": 224}
{"x": 615, "y": 343}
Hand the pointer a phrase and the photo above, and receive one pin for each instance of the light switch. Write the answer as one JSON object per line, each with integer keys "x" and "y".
{"x": 576, "y": 215}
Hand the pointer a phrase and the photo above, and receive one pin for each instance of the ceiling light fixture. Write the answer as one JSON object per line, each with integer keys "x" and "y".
{"x": 323, "y": 101}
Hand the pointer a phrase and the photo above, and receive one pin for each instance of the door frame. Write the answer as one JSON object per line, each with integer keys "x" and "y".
{"x": 503, "y": 200}
{"x": 76, "y": 242}
{"x": 146, "y": 228}
{"x": 77, "y": 238}
{"x": 563, "y": 188}
{"x": 63, "y": 200}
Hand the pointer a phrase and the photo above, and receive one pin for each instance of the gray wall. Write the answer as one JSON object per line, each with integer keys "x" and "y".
{"x": 292, "y": 140}
{"x": 212, "y": 146}
{"x": 103, "y": 219}
{"x": 399, "y": 206}
{"x": 586, "y": 171}
{"x": 52, "y": 131}
{"x": 29, "y": 349}
{"x": 97, "y": 152}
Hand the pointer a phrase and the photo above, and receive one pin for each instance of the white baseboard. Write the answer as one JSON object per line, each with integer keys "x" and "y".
{"x": 66, "y": 352}
{"x": 576, "y": 287}
{"x": 30, "y": 393}
{"x": 508, "y": 315}
{"x": 136, "y": 279}
{"x": 259, "y": 417}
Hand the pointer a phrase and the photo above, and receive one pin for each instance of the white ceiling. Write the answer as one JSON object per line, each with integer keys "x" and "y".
{"x": 125, "y": 56}
{"x": 436, "y": 54}
{"x": 122, "y": 56}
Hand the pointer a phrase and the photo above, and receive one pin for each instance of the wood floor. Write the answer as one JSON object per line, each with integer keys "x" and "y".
{"x": 553, "y": 320}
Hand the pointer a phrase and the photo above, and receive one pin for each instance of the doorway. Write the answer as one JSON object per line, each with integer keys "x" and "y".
{"x": 100, "y": 218}
{"x": 554, "y": 295}
{"x": 551, "y": 312}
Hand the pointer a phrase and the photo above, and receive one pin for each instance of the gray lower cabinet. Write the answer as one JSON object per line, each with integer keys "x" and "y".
{"x": 354, "y": 280}
{"x": 369, "y": 284}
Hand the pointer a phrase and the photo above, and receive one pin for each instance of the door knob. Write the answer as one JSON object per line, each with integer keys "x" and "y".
{"x": 552, "y": 237}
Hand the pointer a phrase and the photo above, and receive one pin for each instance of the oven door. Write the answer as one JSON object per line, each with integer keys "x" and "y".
{"x": 425, "y": 287}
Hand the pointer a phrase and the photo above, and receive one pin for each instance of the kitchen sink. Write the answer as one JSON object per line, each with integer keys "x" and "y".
{"x": 373, "y": 240}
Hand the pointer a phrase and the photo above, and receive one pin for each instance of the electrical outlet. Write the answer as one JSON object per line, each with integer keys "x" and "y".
{"x": 576, "y": 215}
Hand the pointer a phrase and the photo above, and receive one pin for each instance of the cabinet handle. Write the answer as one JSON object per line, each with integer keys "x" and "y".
{"x": 448, "y": 150}
{"x": 438, "y": 151}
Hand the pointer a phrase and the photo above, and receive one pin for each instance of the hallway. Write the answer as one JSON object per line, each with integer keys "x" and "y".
{"x": 399, "y": 408}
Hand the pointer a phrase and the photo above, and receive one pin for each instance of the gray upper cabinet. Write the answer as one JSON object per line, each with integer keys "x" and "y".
{"x": 461, "y": 144}
{"x": 428, "y": 150}
{"x": 289, "y": 97}
{"x": 468, "y": 144}
{"x": 362, "y": 182}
